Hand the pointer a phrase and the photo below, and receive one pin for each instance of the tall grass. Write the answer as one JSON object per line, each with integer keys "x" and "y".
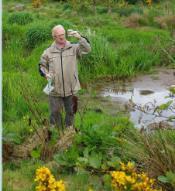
{"x": 155, "y": 151}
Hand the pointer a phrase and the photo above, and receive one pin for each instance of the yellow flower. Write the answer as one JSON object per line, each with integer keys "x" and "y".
{"x": 60, "y": 185}
{"x": 130, "y": 166}
{"x": 128, "y": 178}
{"x": 119, "y": 177}
{"x": 41, "y": 188}
{"x": 122, "y": 166}
{"x": 47, "y": 181}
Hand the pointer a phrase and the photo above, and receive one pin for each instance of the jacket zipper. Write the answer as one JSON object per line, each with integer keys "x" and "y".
{"x": 62, "y": 73}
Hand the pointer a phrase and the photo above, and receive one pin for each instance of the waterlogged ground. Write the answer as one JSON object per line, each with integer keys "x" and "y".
{"x": 148, "y": 90}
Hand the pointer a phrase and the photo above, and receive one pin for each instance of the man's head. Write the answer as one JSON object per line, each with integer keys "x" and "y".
{"x": 58, "y": 34}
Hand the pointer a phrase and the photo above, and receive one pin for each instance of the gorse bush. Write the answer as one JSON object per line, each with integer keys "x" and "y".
{"x": 46, "y": 181}
{"x": 36, "y": 35}
{"x": 127, "y": 178}
{"x": 20, "y": 18}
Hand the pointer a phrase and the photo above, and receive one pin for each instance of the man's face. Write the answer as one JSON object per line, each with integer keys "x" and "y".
{"x": 59, "y": 36}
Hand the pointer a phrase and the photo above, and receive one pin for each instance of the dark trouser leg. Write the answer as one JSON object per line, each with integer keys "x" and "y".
{"x": 56, "y": 104}
{"x": 68, "y": 105}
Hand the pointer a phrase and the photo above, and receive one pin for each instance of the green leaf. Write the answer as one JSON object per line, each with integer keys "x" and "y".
{"x": 164, "y": 106}
{"x": 86, "y": 152}
{"x": 114, "y": 162}
{"x": 171, "y": 177}
{"x": 35, "y": 154}
{"x": 163, "y": 179}
{"x": 95, "y": 160}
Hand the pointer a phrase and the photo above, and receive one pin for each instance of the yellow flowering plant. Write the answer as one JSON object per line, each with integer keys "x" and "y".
{"x": 127, "y": 179}
{"x": 47, "y": 182}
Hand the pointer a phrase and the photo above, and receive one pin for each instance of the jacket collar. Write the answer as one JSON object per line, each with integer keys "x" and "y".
{"x": 55, "y": 48}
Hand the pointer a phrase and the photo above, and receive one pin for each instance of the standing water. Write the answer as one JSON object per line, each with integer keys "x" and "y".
{"x": 146, "y": 92}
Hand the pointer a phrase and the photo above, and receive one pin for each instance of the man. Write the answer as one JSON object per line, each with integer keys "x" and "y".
{"x": 58, "y": 63}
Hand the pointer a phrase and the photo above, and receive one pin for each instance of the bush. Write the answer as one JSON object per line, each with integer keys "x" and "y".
{"x": 137, "y": 1}
{"x": 133, "y": 1}
{"x": 134, "y": 20}
{"x": 66, "y": 24}
{"x": 129, "y": 10}
{"x": 36, "y": 35}
{"x": 102, "y": 10}
{"x": 166, "y": 22}
{"x": 155, "y": 150}
{"x": 12, "y": 32}
{"x": 20, "y": 18}
{"x": 98, "y": 145}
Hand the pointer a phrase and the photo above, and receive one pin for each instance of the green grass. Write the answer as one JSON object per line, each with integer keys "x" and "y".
{"x": 117, "y": 52}
{"x": 20, "y": 177}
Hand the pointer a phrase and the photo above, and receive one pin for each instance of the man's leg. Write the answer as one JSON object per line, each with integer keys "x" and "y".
{"x": 68, "y": 104}
{"x": 56, "y": 104}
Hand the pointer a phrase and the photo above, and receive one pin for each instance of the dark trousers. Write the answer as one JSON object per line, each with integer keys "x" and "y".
{"x": 56, "y": 106}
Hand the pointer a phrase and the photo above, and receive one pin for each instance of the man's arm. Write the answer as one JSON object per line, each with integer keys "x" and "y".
{"x": 83, "y": 46}
{"x": 44, "y": 65}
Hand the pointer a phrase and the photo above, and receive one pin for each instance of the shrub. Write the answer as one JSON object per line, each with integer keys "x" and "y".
{"x": 36, "y": 35}
{"x": 102, "y": 10}
{"x": 46, "y": 181}
{"x": 127, "y": 178}
{"x": 36, "y": 3}
{"x": 166, "y": 22}
{"x": 129, "y": 10}
{"x": 155, "y": 150}
{"x": 144, "y": 1}
{"x": 67, "y": 6}
{"x": 133, "y": 1}
{"x": 97, "y": 147}
{"x": 20, "y": 18}
{"x": 133, "y": 20}
{"x": 67, "y": 24}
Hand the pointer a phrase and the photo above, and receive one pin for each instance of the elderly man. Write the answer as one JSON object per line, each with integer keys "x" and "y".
{"x": 58, "y": 63}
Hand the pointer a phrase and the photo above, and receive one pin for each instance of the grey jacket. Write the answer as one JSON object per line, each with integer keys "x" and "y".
{"x": 61, "y": 64}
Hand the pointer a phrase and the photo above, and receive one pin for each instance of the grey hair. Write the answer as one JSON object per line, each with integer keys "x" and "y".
{"x": 57, "y": 27}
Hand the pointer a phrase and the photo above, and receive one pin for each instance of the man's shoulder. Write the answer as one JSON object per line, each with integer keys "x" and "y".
{"x": 49, "y": 48}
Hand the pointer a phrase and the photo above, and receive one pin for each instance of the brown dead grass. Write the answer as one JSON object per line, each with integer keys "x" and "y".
{"x": 133, "y": 21}
{"x": 165, "y": 22}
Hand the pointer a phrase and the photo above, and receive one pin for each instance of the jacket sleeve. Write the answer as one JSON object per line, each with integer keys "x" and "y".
{"x": 83, "y": 47}
{"x": 44, "y": 64}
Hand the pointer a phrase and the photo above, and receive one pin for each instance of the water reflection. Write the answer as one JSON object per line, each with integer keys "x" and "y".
{"x": 142, "y": 97}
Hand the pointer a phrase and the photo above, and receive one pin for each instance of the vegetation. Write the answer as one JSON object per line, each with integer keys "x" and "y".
{"x": 127, "y": 38}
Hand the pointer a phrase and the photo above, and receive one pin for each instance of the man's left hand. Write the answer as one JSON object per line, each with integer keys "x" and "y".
{"x": 73, "y": 33}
